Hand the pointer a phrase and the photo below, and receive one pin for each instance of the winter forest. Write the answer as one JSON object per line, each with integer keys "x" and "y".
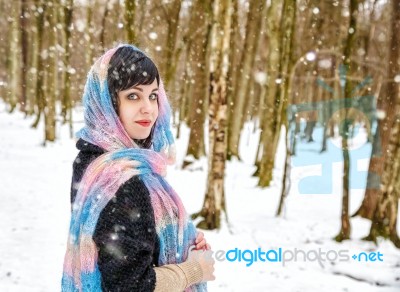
{"x": 287, "y": 122}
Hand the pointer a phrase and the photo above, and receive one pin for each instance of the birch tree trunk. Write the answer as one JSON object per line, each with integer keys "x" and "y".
{"x": 244, "y": 75}
{"x": 214, "y": 202}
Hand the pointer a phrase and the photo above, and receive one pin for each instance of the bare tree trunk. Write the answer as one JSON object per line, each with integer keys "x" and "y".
{"x": 286, "y": 177}
{"x": 172, "y": 18}
{"x": 33, "y": 67}
{"x": 384, "y": 220}
{"x": 251, "y": 103}
{"x": 289, "y": 17}
{"x": 268, "y": 110}
{"x": 345, "y": 229}
{"x": 372, "y": 191}
{"x": 130, "y": 10}
{"x": 103, "y": 23}
{"x": 185, "y": 93}
{"x": 89, "y": 33}
{"x": 327, "y": 110}
{"x": 233, "y": 57}
{"x": 4, "y": 23}
{"x": 310, "y": 122}
{"x": 40, "y": 92}
{"x": 282, "y": 93}
{"x": 200, "y": 21}
{"x": 381, "y": 140}
{"x": 51, "y": 80}
{"x": 67, "y": 102}
{"x": 14, "y": 60}
{"x": 24, "y": 54}
{"x": 244, "y": 75}
{"x": 214, "y": 202}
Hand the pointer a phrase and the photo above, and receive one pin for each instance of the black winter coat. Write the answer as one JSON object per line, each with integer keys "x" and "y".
{"x": 125, "y": 235}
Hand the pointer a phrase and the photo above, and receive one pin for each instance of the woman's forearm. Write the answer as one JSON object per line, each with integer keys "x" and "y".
{"x": 177, "y": 277}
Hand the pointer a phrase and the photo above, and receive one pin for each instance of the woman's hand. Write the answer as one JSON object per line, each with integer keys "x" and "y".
{"x": 201, "y": 243}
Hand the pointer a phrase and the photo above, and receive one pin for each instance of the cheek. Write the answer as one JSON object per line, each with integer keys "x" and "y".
{"x": 124, "y": 116}
{"x": 156, "y": 111}
{"x": 128, "y": 111}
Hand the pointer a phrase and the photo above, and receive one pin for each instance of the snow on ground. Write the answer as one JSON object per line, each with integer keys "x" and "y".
{"x": 34, "y": 218}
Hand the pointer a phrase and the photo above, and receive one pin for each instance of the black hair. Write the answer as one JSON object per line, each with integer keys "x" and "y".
{"x": 127, "y": 68}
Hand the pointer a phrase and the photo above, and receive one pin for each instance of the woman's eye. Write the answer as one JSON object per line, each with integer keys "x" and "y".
{"x": 153, "y": 96}
{"x": 132, "y": 96}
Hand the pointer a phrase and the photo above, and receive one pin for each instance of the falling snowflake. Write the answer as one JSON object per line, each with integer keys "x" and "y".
{"x": 260, "y": 77}
{"x": 72, "y": 71}
{"x": 153, "y": 35}
{"x": 325, "y": 63}
{"x": 315, "y": 10}
{"x": 311, "y": 56}
{"x": 380, "y": 114}
{"x": 80, "y": 25}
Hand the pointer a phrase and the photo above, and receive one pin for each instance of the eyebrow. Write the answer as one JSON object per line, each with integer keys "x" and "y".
{"x": 138, "y": 88}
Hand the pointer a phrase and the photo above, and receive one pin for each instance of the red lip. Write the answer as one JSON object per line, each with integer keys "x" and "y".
{"x": 144, "y": 123}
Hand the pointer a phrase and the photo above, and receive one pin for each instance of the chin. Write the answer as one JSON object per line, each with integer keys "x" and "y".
{"x": 140, "y": 137}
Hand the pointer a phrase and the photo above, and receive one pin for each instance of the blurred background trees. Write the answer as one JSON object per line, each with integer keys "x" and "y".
{"x": 275, "y": 64}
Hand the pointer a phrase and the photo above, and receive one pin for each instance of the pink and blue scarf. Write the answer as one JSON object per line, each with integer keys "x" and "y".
{"x": 122, "y": 160}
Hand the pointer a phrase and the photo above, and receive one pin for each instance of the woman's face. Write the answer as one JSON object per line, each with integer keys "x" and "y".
{"x": 138, "y": 109}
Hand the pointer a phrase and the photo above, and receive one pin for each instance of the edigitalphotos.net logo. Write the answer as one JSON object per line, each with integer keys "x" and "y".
{"x": 285, "y": 256}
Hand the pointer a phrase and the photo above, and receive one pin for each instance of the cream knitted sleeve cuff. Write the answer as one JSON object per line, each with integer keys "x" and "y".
{"x": 177, "y": 277}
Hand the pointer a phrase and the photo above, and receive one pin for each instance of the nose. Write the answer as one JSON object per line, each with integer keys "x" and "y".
{"x": 146, "y": 107}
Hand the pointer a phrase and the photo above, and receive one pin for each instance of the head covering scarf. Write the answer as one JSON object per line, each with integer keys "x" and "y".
{"x": 103, "y": 177}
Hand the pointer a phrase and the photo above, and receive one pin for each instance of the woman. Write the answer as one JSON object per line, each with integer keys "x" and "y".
{"x": 129, "y": 230}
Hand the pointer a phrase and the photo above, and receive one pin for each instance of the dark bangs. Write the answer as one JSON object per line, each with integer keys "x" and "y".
{"x": 127, "y": 68}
